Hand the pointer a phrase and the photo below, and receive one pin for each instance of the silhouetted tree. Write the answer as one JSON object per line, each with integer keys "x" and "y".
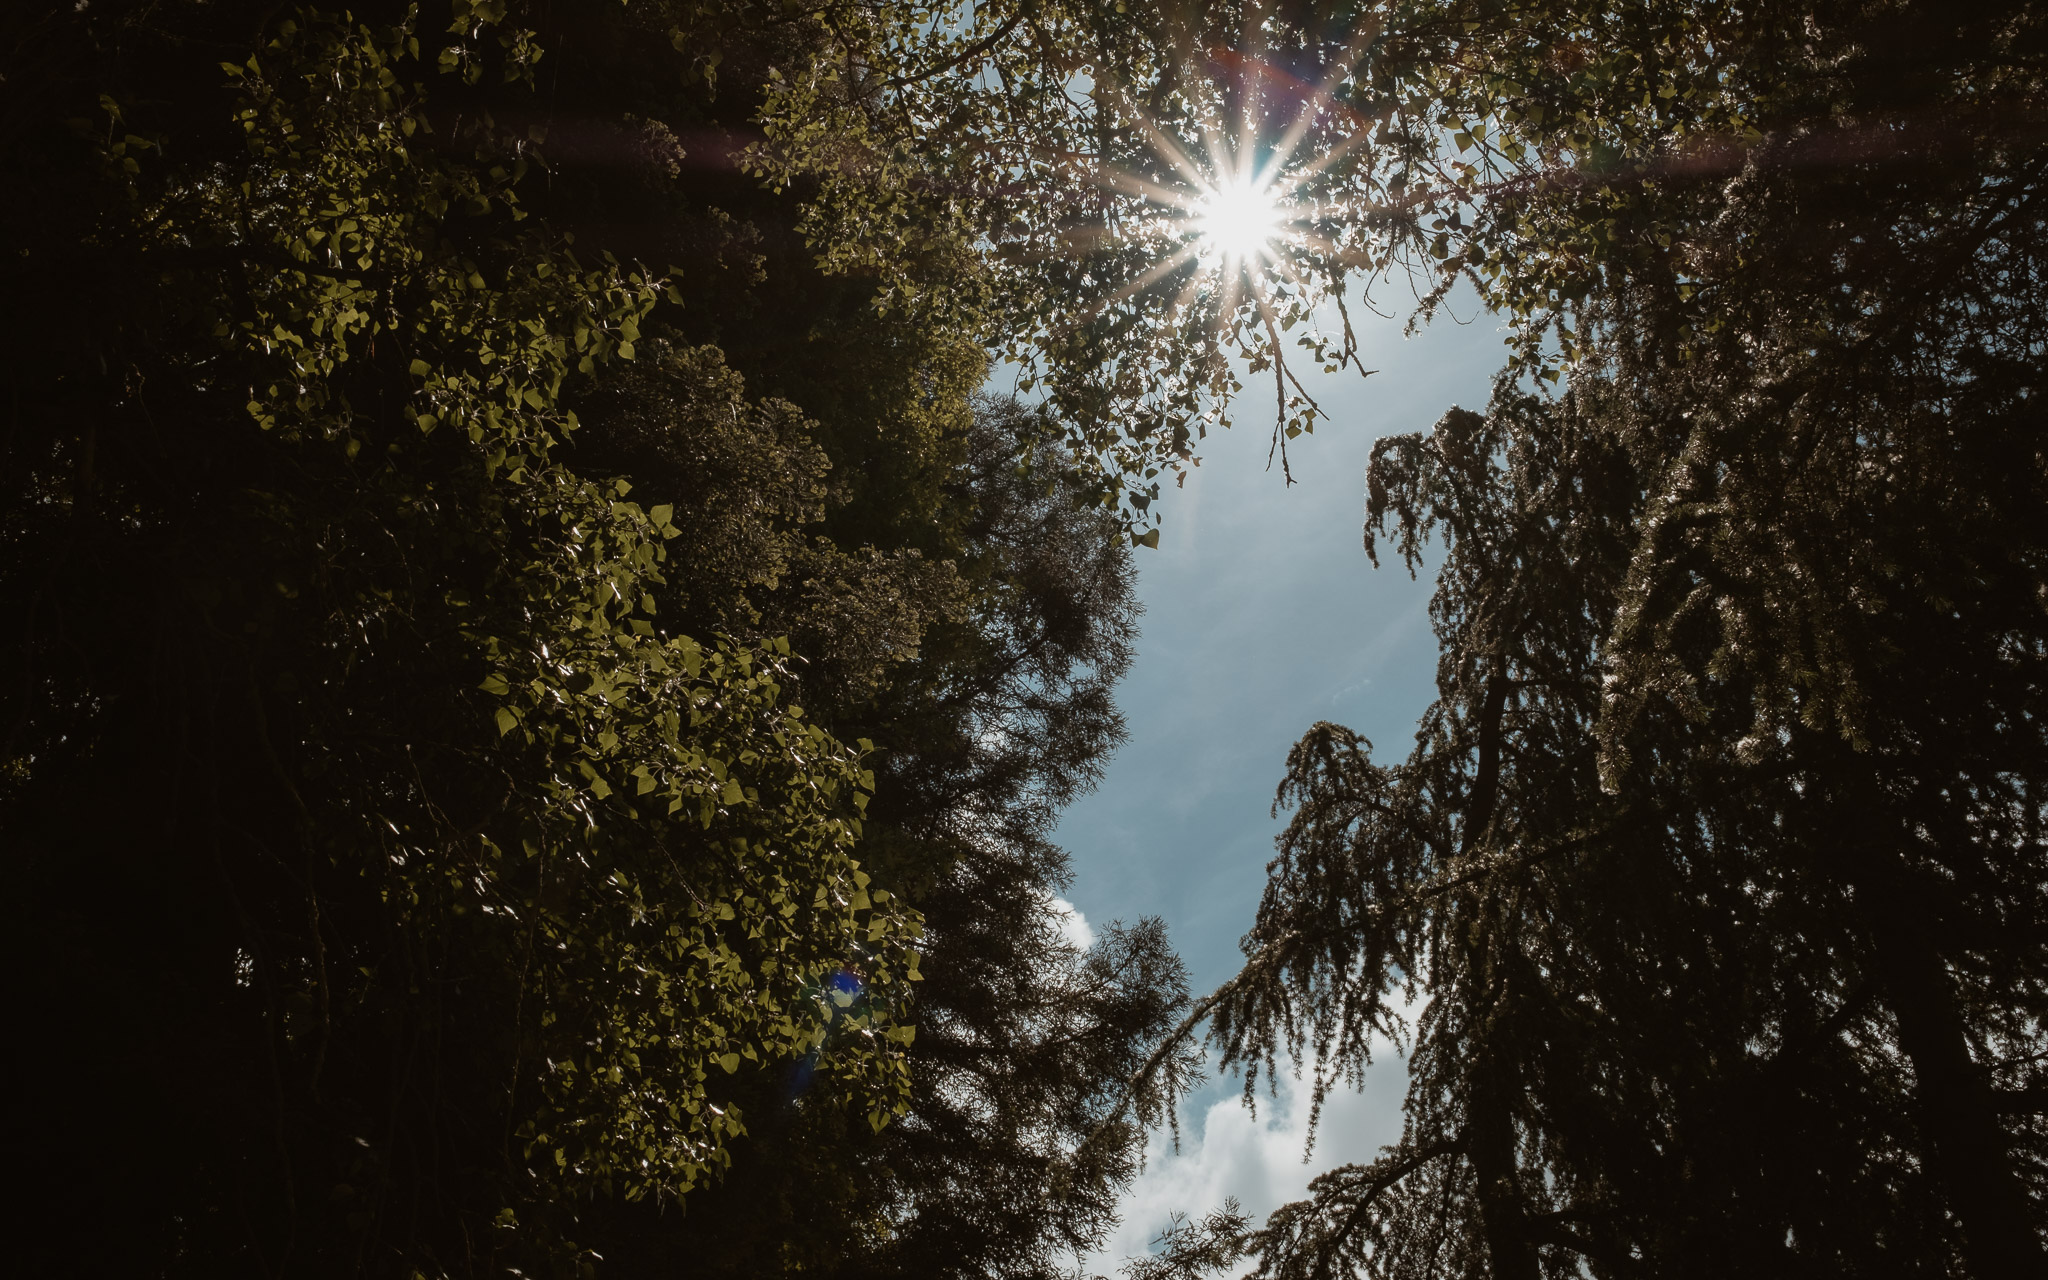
{"x": 1715, "y": 876}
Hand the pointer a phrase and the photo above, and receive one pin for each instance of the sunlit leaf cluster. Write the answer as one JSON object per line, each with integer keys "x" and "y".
{"x": 680, "y": 880}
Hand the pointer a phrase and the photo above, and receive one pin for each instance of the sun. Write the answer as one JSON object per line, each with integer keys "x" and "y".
{"x": 1225, "y": 210}
{"x": 1232, "y": 221}
{"x": 1237, "y": 221}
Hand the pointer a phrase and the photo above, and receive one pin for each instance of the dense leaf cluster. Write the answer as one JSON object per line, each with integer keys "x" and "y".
{"x": 474, "y": 587}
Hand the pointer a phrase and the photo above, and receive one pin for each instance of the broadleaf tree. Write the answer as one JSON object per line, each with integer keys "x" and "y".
{"x": 424, "y": 854}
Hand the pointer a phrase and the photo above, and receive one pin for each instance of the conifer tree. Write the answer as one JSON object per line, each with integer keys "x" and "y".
{"x": 1716, "y": 870}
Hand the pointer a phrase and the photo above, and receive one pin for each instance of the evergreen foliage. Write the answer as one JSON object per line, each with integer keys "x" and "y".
{"x": 1713, "y": 882}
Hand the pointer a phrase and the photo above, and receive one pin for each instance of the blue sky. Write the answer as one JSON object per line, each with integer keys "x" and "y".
{"x": 1262, "y": 616}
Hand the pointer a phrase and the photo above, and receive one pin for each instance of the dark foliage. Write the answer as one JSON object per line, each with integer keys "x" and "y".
{"x": 427, "y": 858}
{"x": 1714, "y": 881}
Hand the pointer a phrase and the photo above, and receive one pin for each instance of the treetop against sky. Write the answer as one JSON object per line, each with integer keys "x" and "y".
{"x": 546, "y": 686}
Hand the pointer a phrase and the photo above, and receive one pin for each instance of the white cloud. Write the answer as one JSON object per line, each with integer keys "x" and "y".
{"x": 1226, "y": 1152}
{"x": 1074, "y": 924}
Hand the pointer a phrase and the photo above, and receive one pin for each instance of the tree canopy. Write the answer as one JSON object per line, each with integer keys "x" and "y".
{"x": 498, "y": 722}
{"x": 539, "y": 687}
{"x": 1714, "y": 878}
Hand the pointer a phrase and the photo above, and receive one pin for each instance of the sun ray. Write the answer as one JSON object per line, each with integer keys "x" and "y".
{"x": 1168, "y": 149}
{"x": 1133, "y": 184}
{"x": 1253, "y": 47}
{"x": 1225, "y": 226}
{"x": 1321, "y": 96}
{"x": 1226, "y": 306}
{"x": 1186, "y": 297}
{"x": 1322, "y": 162}
{"x": 1163, "y": 267}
